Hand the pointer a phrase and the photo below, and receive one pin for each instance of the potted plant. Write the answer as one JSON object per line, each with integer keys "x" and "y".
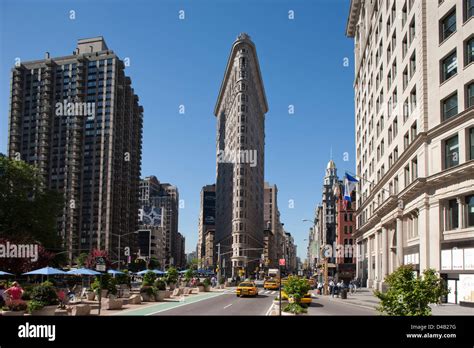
{"x": 148, "y": 293}
{"x": 14, "y": 308}
{"x": 295, "y": 288}
{"x": 172, "y": 277}
{"x": 44, "y": 300}
{"x": 221, "y": 282}
{"x": 207, "y": 285}
{"x": 160, "y": 286}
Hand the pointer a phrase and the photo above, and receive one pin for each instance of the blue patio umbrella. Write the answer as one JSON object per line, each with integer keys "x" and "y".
{"x": 114, "y": 272}
{"x": 156, "y": 271}
{"x": 4, "y": 273}
{"x": 45, "y": 271}
{"x": 83, "y": 271}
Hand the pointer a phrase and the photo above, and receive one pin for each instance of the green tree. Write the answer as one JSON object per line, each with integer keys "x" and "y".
{"x": 27, "y": 208}
{"x": 81, "y": 260}
{"x": 172, "y": 276}
{"x": 409, "y": 294}
{"x": 154, "y": 263}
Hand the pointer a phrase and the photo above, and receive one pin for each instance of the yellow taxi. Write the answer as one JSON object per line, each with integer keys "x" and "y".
{"x": 247, "y": 289}
{"x": 270, "y": 284}
{"x": 307, "y": 299}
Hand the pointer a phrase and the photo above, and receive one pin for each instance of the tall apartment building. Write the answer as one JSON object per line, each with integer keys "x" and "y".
{"x": 290, "y": 253}
{"x": 206, "y": 223}
{"x": 165, "y": 198}
{"x": 415, "y": 138}
{"x": 78, "y": 119}
{"x": 240, "y": 111}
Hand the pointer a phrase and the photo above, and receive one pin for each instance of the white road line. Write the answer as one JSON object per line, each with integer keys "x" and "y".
{"x": 269, "y": 310}
{"x": 228, "y": 306}
{"x": 273, "y": 292}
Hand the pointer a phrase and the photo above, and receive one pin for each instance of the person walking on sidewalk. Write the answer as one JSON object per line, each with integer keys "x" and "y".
{"x": 331, "y": 288}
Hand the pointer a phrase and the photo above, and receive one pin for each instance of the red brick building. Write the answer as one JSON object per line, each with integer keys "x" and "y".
{"x": 345, "y": 227}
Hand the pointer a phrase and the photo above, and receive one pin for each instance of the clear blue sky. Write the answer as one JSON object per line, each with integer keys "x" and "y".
{"x": 175, "y": 62}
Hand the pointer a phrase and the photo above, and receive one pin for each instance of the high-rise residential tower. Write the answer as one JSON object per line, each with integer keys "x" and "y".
{"x": 78, "y": 119}
{"x": 240, "y": 111}
{"x": 414, "y": 118}
{"x": 207, "y": 226}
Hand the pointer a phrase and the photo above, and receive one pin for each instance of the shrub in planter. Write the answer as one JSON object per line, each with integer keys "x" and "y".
{"x": 296, "y": 288}
{"x": 172, "y": 276}
{"x": 16, "y": 305}
{"x": 295, "y": 308}
{"x": 149, "y": 278}
{"x": 45, "y": 293}
{"x": 105, "y": 282}
{"x": 148, "y": 293}
{"x": 35, "y": 305}
{"x": 207, "y": 284}
{"x": 160, "y": 285}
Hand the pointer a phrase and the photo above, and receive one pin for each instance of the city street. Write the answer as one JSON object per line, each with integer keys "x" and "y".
{"x": 227, "y": 304}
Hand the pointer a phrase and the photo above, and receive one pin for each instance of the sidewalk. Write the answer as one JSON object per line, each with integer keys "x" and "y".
{"x": 366, "y": 298}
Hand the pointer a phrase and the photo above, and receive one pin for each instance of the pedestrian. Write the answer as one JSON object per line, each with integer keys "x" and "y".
{"x": 351, "y": 287}
{"x": 331, "y": 287}
{"x": 356, "y": 283}
{"x": 15, "y": 291}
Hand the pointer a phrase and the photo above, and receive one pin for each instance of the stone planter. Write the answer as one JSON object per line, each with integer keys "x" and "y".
{"x": 90, "y": 296}
{"x": 13, "y": 313}
{"x": 104, "y": 293}
{"x": 160, "y": 295}
{"x": 201, "y": 288}
{"x": 147, "y": 298}
{"x": 172, "y": 286}
{"x": 167, "y": 293}
{"x": 207, "y": 288}
{"x": 46, "y": 310}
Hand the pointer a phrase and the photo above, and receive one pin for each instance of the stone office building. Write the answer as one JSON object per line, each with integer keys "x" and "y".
{"x": 414, "y": 117}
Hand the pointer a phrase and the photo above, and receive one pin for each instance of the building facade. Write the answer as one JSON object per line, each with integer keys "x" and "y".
{"x": 164, "y": 198}
{"x": 345, "y": 227}
{"x": 207, "y": 222}
{"x": 273, "y": 233}
{"x": 414, "y": 121}
{"x": 240, "y": 111}
{"x": 78, "y": 120}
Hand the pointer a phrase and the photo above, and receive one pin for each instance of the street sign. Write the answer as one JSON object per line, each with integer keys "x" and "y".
{"x": 281, "y": 262}
{"x": 100, "y": 268}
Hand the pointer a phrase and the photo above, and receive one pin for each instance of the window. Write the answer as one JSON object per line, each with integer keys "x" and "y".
{"x": 414, "y": 169}
{"x": 470, "y": 96}
{"x": 412, "y": 64}
{"x": 449, "y": 66}
{"x": 407, "y": 175}
{"x": 470, "y": 211}
{"x": 413, "y": 100}
{"x": 404, "y": 46}
{"x": 448, "y": 25}
{"x": 450, "y": 106}
{"x": 451, "y": 152}
{"x": 469, "y": 8}
{"x": 413, "y": 131}
{"x": 471, "y": 143}
{"x": 452, "y": 215}
{"x": 406, "y": 141}
{"x": 405, "y": 78}
{"x": 470, "y": 51}
{"x": 404, "y": 15}
{"x": 411, "y": 31}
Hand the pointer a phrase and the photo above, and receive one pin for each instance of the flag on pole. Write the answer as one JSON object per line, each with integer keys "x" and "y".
{"x": 349, "y": 186}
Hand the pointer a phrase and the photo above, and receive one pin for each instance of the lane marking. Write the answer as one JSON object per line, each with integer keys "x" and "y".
{"x": 228, "y": 306}
{"x": 273, "y": 292}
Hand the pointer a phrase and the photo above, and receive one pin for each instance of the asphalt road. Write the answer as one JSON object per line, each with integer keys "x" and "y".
{"x": 323, "y": 305}
{"x": 227, "y": 304}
